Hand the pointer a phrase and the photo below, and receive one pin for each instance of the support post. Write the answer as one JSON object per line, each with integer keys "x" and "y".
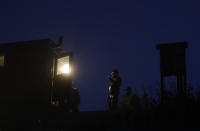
{"x": 162, "y": 88}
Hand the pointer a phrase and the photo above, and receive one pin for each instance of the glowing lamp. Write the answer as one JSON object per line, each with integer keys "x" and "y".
{"x": 65, "y": 69}
{"x": 63, "y": 65}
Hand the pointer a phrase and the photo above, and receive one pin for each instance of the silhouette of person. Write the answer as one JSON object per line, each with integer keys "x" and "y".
{"x": 130, "y": 108}
{"x": 114, "y": 90}
{"x": 127, "y": 107}
{"x": 127, "y": 101}
{"x": 74, "y": 100}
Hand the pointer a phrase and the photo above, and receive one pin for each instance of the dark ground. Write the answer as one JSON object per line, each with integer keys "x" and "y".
{"x": 103, "y": 121}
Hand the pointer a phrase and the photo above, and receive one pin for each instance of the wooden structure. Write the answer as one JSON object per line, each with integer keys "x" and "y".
{"x": 173, "y": 63}
{"x": 30, "y": 79}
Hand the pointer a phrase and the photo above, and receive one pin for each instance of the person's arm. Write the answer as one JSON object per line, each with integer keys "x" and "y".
{"x": 118, "y": 81}
{"x": 111, "y": 79}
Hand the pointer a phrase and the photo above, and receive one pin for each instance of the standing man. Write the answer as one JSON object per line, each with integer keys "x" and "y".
{"x": 127, "y": 108}
{"x": 127, "y": 101}
{"x": 130, "y": 108}
{"x": 74, "y": 100}
{"x": 114, "y": 90}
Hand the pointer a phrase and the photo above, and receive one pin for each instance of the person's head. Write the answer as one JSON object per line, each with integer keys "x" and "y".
{"x": 75, "y": 91}
{"x": 127, "y": 90}
{"x": 115, "y": 73}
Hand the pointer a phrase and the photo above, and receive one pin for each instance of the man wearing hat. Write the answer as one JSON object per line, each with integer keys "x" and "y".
{"x": 114, "y": 90}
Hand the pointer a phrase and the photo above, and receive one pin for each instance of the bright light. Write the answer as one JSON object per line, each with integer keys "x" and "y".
{"x": 63, "y": 65}
{"x": 65, "y": 69}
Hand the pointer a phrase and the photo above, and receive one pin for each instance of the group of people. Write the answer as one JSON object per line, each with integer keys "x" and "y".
{"x": 132, "y": 109}
{"x": 129, "y": 101}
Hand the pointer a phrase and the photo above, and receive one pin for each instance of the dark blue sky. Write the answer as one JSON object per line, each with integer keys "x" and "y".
{"x": 108, "y": 34}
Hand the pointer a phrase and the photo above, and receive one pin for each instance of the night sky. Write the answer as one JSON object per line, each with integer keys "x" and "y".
{"x": 107, "y": 34}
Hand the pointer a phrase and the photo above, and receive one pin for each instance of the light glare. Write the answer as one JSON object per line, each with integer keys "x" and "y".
{"x": 65, "y": 69}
